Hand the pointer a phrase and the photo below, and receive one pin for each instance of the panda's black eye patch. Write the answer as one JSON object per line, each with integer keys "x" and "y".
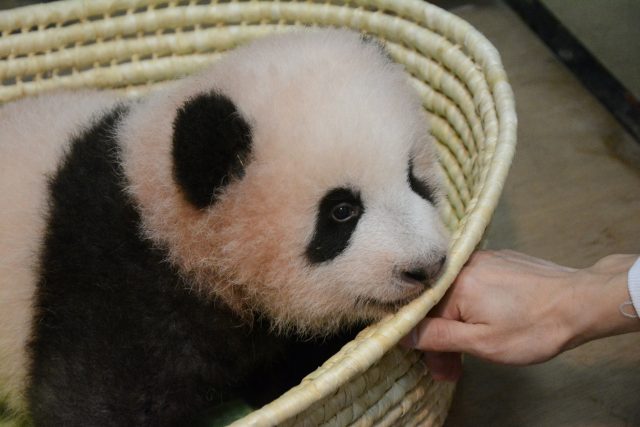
{"x": 338, "y": 214}
{"x": 343, "y": 212}
{"x": 419, "y": 187}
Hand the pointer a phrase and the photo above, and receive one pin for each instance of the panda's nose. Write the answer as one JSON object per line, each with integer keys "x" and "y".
{"x": 425, "y": 274}
{"x": 418, "y": 275}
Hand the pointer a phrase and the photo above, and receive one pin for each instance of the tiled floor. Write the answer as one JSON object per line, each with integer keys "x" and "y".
{"x": 569, "y": 199}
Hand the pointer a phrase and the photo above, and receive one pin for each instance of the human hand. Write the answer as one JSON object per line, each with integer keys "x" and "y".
{"x": 511, "y": 308}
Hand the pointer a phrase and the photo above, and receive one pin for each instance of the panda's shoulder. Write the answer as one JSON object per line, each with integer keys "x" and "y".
{"x": 48, "y": 122}
{"x": 57, "y": 108}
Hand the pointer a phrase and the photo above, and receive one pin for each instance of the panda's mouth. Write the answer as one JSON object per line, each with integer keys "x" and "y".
{"x": 393, "y": 305}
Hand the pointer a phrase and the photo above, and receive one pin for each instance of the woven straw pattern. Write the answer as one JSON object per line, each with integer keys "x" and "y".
{"x": 134, "y": 45}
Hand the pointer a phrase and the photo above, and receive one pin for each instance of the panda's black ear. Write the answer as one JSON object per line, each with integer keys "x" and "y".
{"x": 211, "y": 142}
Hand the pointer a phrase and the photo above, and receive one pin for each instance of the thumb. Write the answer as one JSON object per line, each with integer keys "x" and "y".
{"x": 444, "y": 335}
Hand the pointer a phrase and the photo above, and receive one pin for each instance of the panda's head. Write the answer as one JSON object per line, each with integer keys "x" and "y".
{"x": 295, "y": 178}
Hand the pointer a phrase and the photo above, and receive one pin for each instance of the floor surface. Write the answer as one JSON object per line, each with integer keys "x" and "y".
{"x": 569, "y": 198}
{"x": 610, "y": 30}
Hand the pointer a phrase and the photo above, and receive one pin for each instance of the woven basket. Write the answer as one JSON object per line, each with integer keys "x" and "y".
{"x": 135, "y": 45}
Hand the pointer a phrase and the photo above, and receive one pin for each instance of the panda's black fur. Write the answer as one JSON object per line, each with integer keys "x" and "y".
{"x": 106, "y": 350}
{"x": 201, "y": 168}
{"x": 332, "y": 237}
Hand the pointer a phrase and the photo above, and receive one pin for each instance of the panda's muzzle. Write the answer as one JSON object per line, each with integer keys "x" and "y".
{"x": 423, "y": 275}
{"x": 413, "y": 281}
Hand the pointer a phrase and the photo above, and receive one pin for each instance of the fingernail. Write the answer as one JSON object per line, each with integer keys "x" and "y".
{"x": 410, "y": 340}
{"x": 443, "y": 377}
{"x": 443, "y": 366}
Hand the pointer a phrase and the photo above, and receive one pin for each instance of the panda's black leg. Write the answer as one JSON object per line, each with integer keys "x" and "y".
{"x": 118, "y": 339}
{"x": 301, "y": 357}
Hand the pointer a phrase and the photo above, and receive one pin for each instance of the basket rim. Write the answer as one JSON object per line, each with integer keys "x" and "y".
{"x": 389, "y": 331}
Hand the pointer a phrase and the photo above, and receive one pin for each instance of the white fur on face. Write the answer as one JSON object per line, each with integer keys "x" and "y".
{"x": 34, "y": 135}
{"x": 398, "y": 232}
{"x": 326, "y": 111}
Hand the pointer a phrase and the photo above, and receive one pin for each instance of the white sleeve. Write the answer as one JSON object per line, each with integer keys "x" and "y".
{"x": 634, "y": 285}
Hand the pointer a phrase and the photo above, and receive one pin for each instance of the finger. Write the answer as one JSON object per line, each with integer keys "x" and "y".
{"x": 444, "y": 335}
{"x": 444, "y": 366}
{"x": 528, "y": 260}
{"x": 410, "y": 340}
{"x": 501, "y": 255}
{"x": 446, "y": 307}
{"x": 444, "y": 310}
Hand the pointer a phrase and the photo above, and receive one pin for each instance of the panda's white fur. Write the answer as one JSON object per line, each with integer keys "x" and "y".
{"x": 326, "y": 110}
{"x": 33, "y": 138}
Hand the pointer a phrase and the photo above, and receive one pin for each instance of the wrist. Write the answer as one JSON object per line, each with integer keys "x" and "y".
{"x": 595, "y": 298}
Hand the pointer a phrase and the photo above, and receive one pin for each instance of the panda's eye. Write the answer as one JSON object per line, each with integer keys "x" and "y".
{"x": 344, "y": 212}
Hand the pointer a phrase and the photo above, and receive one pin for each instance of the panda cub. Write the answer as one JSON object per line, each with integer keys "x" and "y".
{"x": 216, "y": 239}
